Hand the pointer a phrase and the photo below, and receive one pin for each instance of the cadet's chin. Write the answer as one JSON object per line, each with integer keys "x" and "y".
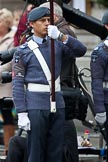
{"x": 45, "y": 33}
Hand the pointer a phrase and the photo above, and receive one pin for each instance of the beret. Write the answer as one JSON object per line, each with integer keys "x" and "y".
{"x": 38, "y": 13}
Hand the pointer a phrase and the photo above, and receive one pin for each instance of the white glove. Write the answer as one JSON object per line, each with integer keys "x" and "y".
{"x": 53, "y": 32}
{"x": 23, "y": 121}
{"x": 101, "y": 118}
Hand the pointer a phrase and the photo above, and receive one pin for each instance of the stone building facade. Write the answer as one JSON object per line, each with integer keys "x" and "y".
{"x": 12, "y": 4}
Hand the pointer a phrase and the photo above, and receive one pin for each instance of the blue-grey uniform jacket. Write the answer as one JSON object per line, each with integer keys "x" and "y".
{"x": 99, "y": 75}
{"x": 26, "y": 69}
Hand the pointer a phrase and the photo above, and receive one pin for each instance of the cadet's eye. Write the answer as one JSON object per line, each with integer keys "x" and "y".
{"x": 48, "y": 20}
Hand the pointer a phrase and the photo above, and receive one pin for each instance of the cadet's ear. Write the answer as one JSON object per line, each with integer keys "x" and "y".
{"x": 31, "y": 24}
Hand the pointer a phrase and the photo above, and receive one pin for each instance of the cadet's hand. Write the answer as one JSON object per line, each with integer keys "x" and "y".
{"x": 101, "y": 118}
{"x": 23, "y": 121}
{"x": 53, "y": 32}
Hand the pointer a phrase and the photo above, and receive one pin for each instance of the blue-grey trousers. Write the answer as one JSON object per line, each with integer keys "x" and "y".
{"x": 106, "y": 131}
{"x": 45, "y": 140}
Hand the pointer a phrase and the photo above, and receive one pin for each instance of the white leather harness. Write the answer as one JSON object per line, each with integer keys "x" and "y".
{"x": 42, "y": 87}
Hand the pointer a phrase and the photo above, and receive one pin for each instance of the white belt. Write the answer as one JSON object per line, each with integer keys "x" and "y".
{"x": 105, "y": 84}
{"x": 34, "y": 87}
{"x": 41, "y": 87}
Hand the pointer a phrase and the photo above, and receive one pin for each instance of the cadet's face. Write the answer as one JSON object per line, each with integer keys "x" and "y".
{"x": 2, "y": 26}
{"x": 41, "y": 26}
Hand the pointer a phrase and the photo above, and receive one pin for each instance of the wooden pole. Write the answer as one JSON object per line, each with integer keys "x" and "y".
{"x": 53, "y": 104}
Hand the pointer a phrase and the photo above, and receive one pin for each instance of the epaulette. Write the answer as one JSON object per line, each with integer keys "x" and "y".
{"x": 96, "y": 48}
{"x": 23, "y": 46}
{"x": 95, "y": 51}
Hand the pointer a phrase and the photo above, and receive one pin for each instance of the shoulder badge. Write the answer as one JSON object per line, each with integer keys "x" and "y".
{"x": 16, "y": 59}
{"x": 94, "y": 54}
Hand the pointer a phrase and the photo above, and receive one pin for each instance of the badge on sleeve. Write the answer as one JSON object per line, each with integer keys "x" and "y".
{"x": 16, "y": 59}
{"x": 94, "y": 54}
{"x": 94, "y": 57}
{"x": 96, "y": 48}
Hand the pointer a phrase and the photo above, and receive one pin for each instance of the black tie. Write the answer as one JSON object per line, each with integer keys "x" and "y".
{"x": 44, "y": 40}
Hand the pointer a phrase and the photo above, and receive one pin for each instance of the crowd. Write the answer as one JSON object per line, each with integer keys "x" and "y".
{"x": 7, "y": 32}
{"x": 42, "y": 119}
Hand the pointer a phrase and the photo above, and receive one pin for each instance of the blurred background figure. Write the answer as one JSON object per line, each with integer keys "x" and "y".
{"x": 16, "y": 18}
{"x": 22, "y": 26}
{"x": 6, "y": 34}
{"x": 6, "y": 42}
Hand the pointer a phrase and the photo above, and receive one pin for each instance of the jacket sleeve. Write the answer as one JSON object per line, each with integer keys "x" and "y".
{"x": 76, "y": 48}
{"x": 97, "y": 66}
{"x": 18, "y": 72}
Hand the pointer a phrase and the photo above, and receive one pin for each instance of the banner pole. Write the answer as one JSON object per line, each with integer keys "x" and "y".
{"x": 53, "y": 103}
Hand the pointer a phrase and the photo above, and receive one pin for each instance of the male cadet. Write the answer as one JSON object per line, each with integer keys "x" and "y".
{"x": 99, "y": 75}
{"x": 32, "y": 69}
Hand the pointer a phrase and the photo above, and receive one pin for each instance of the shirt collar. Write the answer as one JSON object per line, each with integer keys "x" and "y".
{"x": 38, "y": 39}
